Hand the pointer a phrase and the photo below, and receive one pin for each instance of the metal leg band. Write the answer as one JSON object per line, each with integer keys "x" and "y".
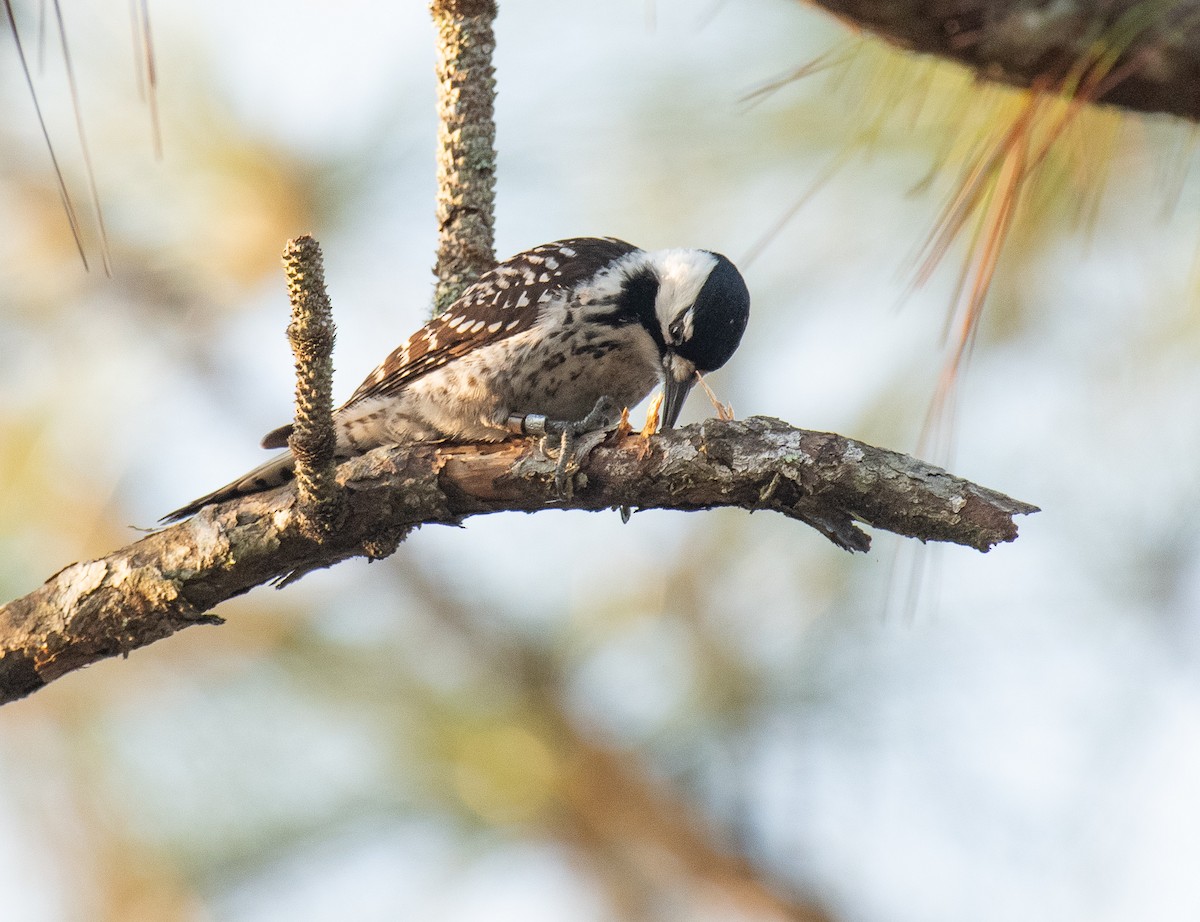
{"x": 529, "y": 424}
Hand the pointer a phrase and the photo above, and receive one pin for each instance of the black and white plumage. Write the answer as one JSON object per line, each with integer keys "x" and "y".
{"x": 548, "y": 332}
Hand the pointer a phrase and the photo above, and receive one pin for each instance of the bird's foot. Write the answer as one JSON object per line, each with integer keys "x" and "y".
{"x": 566, "y": 433}
{"x": 603, "y": 416}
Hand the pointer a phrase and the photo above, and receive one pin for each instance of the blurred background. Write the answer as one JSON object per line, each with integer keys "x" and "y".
{"x": 712, "y": 716}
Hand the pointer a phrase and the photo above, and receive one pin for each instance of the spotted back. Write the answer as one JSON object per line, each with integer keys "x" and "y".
{"x": 504, "y": 301}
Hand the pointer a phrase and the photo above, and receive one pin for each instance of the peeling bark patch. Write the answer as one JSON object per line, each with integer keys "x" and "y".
{"x": 79, "y": 581}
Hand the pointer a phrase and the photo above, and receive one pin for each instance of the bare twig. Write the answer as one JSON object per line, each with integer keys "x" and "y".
{"x": 168, "y": 580}
{"x": 466, "y": 160}
{"x": 311, "y": 333}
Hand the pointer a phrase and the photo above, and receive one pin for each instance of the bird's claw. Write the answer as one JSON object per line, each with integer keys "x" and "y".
{"x": 564, "y": 480}
{"x": 602, "y": 417}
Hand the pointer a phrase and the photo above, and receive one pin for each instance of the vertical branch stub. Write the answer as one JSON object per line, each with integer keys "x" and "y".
{"x": 311, "y": 334}
{"x": 466, "y": 154}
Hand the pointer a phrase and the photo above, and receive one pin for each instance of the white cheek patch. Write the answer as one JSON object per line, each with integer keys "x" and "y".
{"x": 681, "y": 275}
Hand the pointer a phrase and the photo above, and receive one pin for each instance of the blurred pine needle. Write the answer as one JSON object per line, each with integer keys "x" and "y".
{"x": 1022, "y": 161}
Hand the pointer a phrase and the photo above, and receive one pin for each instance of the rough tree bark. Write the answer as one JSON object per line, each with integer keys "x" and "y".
{"x": 171, "y": 579}
{"x": 313, "y": 441}
{"x": 466, "y": 156}
{"x": 1139, "y": 54}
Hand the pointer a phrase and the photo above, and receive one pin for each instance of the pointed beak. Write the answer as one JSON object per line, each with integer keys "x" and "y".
{"x": 674, "y": 394}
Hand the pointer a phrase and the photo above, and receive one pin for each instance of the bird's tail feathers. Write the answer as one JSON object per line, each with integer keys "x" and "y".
{"x": 274, "y": 473}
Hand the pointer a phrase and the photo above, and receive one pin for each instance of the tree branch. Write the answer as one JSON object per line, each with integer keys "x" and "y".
{"x": 1139, "y": 54}
{"x": 466, "y": 157}
{"x": 170, "y": 579}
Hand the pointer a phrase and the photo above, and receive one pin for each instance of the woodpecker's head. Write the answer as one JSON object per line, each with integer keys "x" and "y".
{"x": 701, "y": 306}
